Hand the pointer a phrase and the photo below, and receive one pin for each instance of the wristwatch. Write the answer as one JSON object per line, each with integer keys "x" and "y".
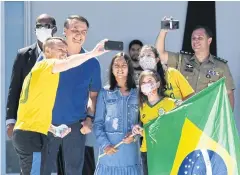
{"x": 90, "y": 116}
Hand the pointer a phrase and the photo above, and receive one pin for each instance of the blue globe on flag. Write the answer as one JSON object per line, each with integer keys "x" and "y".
{"x": 203, "y": 162}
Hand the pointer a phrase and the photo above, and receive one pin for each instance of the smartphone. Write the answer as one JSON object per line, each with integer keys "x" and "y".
{"x": 170, "y": 24}
{"x": 113, "y": 45}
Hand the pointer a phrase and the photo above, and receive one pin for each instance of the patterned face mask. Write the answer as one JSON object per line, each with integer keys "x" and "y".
{"x": 148, "y": 88}
{"x": 148, "y": 63}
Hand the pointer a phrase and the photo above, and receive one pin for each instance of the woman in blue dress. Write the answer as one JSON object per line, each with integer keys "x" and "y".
{"x": 116, "y": 113}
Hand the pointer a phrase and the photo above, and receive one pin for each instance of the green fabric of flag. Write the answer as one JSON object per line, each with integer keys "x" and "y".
{"x": 197, "y": 138}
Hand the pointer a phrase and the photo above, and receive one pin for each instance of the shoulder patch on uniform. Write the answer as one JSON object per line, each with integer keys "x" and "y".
{"x": 186, "y": 53}
{"x": 220, "y": 59}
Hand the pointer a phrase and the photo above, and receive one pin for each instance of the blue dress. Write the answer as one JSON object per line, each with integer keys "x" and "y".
{"x": 115, "y": 116}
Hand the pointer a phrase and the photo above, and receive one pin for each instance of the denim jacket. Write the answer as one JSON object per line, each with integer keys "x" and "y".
{"x": 115, "y": 116}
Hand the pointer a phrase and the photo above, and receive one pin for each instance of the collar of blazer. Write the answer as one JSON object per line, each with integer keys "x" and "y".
{"x": 33, "y": 53}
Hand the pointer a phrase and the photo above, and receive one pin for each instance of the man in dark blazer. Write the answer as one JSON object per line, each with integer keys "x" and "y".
{"x": 25, "y": 60}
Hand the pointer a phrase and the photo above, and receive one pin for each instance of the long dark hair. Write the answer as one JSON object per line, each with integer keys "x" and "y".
{"x": 143, "y": 98}
{"x": 160, "y": 69}
{"x": 130, "y": 77}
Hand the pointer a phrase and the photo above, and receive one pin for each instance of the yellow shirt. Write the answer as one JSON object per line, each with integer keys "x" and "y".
{"x": 37, "y": 98}
{"x": 149, "y": 112}
{"x": 177, "y": 86}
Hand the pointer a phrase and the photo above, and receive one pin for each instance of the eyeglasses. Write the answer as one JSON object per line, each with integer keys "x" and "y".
{"x": 48, "y": 26}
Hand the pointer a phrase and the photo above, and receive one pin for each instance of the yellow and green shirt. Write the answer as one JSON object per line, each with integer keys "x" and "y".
{"x": 149, "y": 112}
{"x": 177, "y": 86}
{"x": 37, "y": 98}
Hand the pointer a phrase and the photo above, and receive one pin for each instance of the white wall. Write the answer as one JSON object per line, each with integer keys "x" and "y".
{"x": 228, "y": 47}
{"x": 2, "y": 91}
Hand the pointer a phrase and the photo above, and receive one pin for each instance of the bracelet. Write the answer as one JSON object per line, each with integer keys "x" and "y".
{"x": 90, "y": 116}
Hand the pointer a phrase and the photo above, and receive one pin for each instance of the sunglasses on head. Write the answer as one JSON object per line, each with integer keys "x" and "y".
{"x": 48, "y": 26}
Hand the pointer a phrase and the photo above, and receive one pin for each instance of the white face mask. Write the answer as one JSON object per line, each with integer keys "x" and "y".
{"x": 43, "y": 34}
{"x": 147, "y": 63}
{"x": 149, "y": 87}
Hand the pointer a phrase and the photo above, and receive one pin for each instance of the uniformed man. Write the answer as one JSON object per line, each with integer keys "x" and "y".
{"x": 201, "y": 69}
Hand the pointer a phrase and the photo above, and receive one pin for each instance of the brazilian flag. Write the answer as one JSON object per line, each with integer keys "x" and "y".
{"x": 197, "y": 138}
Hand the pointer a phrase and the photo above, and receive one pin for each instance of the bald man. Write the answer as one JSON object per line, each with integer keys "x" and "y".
{"x": 37, "y": 100}
{"x": 45, "y": 27}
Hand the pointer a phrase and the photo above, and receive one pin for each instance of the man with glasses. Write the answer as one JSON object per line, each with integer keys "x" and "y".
{"x": 25, "y": 60}
{"x": 75, "y": 103}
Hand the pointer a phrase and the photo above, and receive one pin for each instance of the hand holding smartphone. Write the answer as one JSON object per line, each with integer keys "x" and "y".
{"x": 169, "y": 24}
{"x": 113, "y": 45}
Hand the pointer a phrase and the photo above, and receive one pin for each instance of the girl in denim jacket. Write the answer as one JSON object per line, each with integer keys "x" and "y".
{"x": 116, "y": 113}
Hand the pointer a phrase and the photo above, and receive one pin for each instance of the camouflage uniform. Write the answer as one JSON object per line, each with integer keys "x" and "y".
{"x": 201, "y": 75}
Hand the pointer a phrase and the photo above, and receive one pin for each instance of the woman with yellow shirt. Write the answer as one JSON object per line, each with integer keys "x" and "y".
{"x": 176, "y": 86}
{"x": 153, "y": 104}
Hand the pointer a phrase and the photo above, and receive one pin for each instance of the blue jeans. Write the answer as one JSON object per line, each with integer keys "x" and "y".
{"x": 73, "y": 148}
